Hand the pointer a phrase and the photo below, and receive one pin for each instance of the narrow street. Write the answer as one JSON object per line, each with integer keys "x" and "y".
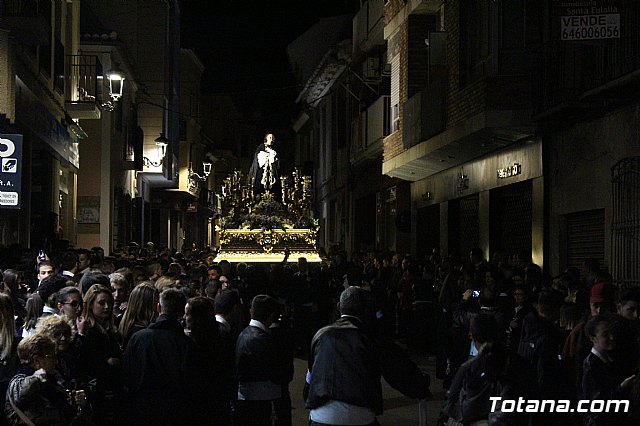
{"x": 398, "y": 410}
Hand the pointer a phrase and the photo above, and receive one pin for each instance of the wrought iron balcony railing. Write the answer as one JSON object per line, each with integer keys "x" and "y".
{"x": 84, "y": 86}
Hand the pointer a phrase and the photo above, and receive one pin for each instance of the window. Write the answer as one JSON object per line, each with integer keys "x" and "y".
{"x": 395, "y": 118}
{"x": 474, "y": 40}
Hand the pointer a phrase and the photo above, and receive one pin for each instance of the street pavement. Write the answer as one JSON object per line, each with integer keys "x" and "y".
{"x": 398, "y": 410}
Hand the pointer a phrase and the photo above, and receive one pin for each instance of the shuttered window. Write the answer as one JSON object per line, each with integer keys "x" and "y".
{"x": 395, "y": 94}
{"x": 585, "y": 237}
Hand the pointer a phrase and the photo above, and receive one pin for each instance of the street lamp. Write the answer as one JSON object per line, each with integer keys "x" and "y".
{"x": 116, "y": 82}
{"x": 161, "y": 144}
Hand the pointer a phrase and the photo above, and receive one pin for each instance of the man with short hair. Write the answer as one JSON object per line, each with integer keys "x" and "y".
{"x": 226, "y": 305}
{"x": 626, "y": 331}
{"x": 347, "y": 361}
{"x": 45, "y": 269}
{"x": 495, "y": 371}
{"x": 69, "y": 264}
{"x": 84, "y": 261}
{"x": 258, "y": 367}
{"x": 120, "y": 292}
{"x": 160, "y": 368}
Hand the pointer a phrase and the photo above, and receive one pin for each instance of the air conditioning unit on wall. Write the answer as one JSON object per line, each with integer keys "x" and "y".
{"x": 371, "y": 68}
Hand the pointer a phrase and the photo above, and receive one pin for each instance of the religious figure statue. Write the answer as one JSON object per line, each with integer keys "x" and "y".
{"x": 263, "y": 175}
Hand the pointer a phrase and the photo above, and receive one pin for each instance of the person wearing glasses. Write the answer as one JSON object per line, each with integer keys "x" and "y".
{"x": 70, "y": 304}
{"x": 59, "y": 328}
{"x": 34, "y": 396}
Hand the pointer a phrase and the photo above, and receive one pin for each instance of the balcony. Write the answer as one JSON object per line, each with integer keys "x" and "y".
{"x": 28, "y": 23}
{"x": 84, "y": 76}
{"x": 578, "y": 79}
{"x": 368, "y": 26}
{"x": 424, "y": 114}
{"x": 369, "y": 130}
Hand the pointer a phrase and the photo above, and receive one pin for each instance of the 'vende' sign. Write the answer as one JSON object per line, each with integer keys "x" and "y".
{"x": 586, "y": 20}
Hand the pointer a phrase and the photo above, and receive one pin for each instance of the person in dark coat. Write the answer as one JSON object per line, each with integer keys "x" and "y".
{"x": 347, "y": 361}
{"x": 257, "y": 365}
{"x": 99, "y": 357}
{"x": 202, "y": 327}
{"x": 602, "y": 379}
{"x": 496, "y": 371}
{"x": 160, "y": 368}
{"x": 9, "y": 361}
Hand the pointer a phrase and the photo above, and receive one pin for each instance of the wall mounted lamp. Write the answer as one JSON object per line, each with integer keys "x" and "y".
{"x": 161, "y": 144}
{"x": 206, "y": 170}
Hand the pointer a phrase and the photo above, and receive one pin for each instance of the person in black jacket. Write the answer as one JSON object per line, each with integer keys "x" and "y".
{"x": 602, "y": 379}
{"x": 160, "y": 368}
{"x": 258, "y": 368}
{"x": 495, "y": 371}
{"x": 99, "y": 357}
{"x": 202, "y": 327}
{"x": 347, "y": 361}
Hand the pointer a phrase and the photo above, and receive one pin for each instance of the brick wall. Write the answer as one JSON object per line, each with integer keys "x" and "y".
{"x": 462, "y": 103}
{"x": 392, "y": 145}
{"x": 391, "y": 9}
{"x": 492, "y": 92}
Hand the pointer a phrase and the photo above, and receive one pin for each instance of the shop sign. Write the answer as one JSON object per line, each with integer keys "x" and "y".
{"x": 192, "y": 207}
{"x": 589, "y": 20}
{"x": 510, "y": 171}
{"x": 10, "y": 171}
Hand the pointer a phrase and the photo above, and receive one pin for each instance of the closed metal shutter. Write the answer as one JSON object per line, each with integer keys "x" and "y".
{"x": 428, "y": 229}
{"x": 466, "y": 222}
{"x": 510, "y": 230}
{"x": 585, "y": 237}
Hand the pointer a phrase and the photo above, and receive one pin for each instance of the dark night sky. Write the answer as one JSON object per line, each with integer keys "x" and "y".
{"x": 243, "y": 47}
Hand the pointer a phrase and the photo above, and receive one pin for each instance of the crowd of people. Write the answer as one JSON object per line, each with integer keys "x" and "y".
{"x": 148, "y": 335}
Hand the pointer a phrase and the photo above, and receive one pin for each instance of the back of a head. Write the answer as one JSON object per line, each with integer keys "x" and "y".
{"x": 226, "y": 300}
{"x": 487, "y": 298}
{"x": 484, "y": 328}
{"x": 90, "y": 278}
{"x": 263, "y": 307}
{"x": 549, "y": 303}
{"x": 51, "y": 285}
{"x": 354, "y": 276}
{"x": 69, "y": 260}
{"x": 172, "y": 302}
{"x": 357, "y": 302}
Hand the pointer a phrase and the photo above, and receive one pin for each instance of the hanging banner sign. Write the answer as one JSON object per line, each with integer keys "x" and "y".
{"x": 10, "y": 171}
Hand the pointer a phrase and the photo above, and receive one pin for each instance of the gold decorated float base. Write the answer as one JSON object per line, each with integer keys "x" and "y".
{"x": 261, "y": 245}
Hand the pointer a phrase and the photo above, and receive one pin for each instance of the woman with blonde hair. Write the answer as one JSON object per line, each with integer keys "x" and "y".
{"x": 165, "y": 282}
{"x": 35, "y": 396}
{"x": 9, "y": 362}
{"x": 141, "y": 310}
{"x": 60, "y": 329}
{"x": 99, "y": 360}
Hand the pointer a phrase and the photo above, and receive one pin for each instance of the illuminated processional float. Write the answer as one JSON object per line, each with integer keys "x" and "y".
{"x": 255, "y": 226}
